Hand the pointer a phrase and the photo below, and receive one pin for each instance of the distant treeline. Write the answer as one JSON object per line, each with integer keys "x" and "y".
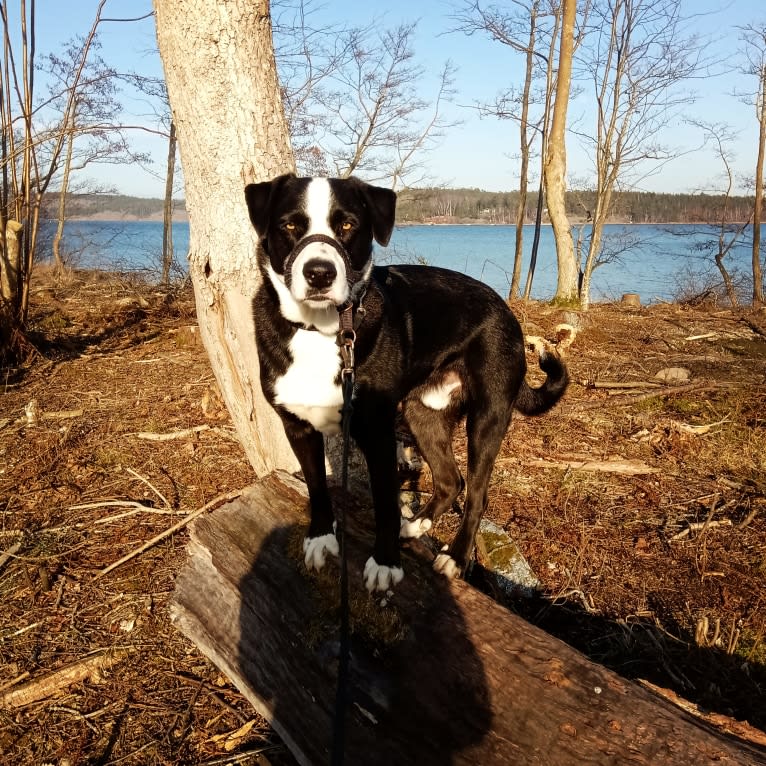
{"x": 466, "y": 206}
{"x": 107, "y": 205}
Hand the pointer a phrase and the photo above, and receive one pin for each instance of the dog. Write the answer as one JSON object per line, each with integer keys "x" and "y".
{"x": 438, "y": 345}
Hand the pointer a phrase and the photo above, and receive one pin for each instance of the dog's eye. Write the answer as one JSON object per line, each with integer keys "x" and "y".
{"x": 290, "y": 226}
{"x": 346, "y": 226}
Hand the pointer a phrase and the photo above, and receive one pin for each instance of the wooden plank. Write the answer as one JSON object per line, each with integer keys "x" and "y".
{"x": 442, "y": 675}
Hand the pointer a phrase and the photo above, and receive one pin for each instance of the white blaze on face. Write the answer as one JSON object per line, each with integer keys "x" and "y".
{"x": 317, "y": 206}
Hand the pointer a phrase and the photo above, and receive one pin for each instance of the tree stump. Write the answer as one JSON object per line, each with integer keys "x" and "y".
{"x": 439, "y": 675}
{"x": 632, "y": 300}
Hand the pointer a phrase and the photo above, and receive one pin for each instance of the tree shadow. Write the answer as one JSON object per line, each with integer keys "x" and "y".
{"x": 417, "y": 687}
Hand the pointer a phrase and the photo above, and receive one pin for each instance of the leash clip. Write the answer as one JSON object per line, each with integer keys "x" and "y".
{"x": 347, "y": 340}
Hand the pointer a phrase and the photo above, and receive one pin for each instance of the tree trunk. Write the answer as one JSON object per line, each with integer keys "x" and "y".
{"x": 10, "y": 268}
{"x": 524, "y": 147}
{"x": 556, "y": 163}
{"x": 227, "y": 108}
{"x": 603, "y": 205}
{"x": 167, "y": 210}
{"x": 758, "y": 299}
{"x": 59, "y": 235}
{"x": 442, "y": 675}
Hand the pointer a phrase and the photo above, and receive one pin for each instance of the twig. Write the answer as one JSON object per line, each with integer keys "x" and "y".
{"x": 134, "y": 504}
{"x": 697, "y": 526}
{"x": 150, "y": 485}
{"x": 750, "y": 516}
{"x": 608, "y": 384}
{"x": 180, "y": 525}
{"x": 21, "y": 631}
{"x": 9, "y": 554}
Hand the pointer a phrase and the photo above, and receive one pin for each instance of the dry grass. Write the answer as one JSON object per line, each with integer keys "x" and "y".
{"x": 623, "y": 580}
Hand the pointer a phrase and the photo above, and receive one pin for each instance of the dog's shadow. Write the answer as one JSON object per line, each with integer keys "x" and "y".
{"x": 417, "y": 690}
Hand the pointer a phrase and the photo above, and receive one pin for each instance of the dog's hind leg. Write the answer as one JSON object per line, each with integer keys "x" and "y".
{"x": 486, "y": 428}
{"x": 432, "y": 430}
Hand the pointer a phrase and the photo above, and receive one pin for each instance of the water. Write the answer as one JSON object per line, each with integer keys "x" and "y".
{"x": 660, "y": 263}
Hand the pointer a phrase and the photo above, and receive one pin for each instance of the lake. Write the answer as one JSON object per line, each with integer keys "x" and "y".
{"x": 660, "y": 263}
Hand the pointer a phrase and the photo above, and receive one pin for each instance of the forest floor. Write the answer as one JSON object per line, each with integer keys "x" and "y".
{"x": 639, "y": 503}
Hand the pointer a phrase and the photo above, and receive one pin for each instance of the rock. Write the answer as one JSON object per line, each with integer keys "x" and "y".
{"x": 673, "y": 375}
{"x": 500, "y": 555}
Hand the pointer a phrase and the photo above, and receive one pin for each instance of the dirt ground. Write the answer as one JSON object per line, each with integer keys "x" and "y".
{"x": 640, "y": 504}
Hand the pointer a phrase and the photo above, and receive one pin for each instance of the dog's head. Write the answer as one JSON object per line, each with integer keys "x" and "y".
{"x": 316, "y": 237}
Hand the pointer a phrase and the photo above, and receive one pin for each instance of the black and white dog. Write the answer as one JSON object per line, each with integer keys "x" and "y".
{"x": 439, "y": 343}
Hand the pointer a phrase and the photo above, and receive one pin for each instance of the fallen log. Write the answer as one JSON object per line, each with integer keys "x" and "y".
{"x": 440, "y": 675}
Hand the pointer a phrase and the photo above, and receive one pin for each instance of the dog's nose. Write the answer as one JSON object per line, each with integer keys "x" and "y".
{"x": 319, "y": 274}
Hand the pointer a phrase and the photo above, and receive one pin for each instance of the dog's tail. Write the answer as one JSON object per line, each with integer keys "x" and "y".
{"x": 536, "y": 401}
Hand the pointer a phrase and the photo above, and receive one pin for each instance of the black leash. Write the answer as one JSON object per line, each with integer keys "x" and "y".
{"x": 346, "y": 339}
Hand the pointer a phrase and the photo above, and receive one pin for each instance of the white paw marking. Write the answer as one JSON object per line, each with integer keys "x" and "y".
{"x": 381, "y": 578}
{"x": 446, "y": 565}
{"x": 315, "y": 550}
{"x": 414, "y": 527}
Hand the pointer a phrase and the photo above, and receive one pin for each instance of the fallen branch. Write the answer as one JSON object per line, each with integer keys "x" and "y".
{"x": 170, "y": 436}
{"x": 624, "y": 467}
{"x": 41, "y": 688}
{"x": 635, "y": 398}
{"x": 180, "y": 525}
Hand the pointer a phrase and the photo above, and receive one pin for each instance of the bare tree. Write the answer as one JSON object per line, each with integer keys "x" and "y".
{"x": 517, "y": 28}
{"x": 352, "y": 96}
{"x": 27, "y": 169}
{"x": 154, "y": 88}
{"x": 92, "y": 132}
{"x": 728, "y": 232}
{"x": 167, "y": 208}
{"x": 754, "y": 37}
{"x": 556, "y": 162}
{"x": 636, "y": 57}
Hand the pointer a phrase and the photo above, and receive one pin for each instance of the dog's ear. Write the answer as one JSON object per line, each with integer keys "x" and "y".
{"x": 382, "y": 206}
{"x": 259, "y": 197}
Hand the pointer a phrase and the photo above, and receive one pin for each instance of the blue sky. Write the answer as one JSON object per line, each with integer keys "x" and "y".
{"x": 478, "y": 152}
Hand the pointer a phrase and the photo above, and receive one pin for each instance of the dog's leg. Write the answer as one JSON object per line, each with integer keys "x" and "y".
{"x": 372, "y": 426}
{"x": 486, "y": 429}
{"x": 432, "y": 430}
{"x": 308, "y": 445}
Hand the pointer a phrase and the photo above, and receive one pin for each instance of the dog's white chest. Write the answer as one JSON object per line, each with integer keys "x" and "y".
{"x": 309, "y": 389}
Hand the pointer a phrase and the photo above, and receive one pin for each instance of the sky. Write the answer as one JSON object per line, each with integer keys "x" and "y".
{"x": 477, "y": 153}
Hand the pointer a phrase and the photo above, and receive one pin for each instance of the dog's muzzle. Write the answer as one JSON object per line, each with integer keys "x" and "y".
{"x": 320, "y": 273}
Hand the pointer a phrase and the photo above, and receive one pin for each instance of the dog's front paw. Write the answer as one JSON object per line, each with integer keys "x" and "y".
{"x": 414, "y": 527}
{"x": 382, "y": 578}
{"x": 444, "y": 564}
{"x": 315, "y": 550}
